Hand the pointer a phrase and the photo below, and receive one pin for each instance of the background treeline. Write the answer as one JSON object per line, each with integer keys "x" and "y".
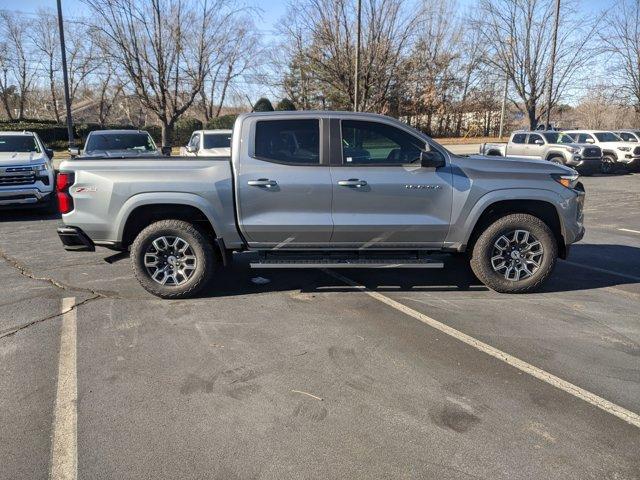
{"x": 170, "y": 65}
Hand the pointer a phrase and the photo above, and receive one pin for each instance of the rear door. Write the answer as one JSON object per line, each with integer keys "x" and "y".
{"x": 535, "y": 146}
{"x": 283, "y": 186}
{"x": 517, "y": 146}
{"x": 382, "y": 197}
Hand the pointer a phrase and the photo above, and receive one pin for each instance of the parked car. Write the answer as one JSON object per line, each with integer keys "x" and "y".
{"x": 628, "y": 135}
{"x": 26, "y": 173}
{"x": 554, "y": 146}
{"x": 208, "y": 143}
{"x": 324, "y": 189}
{"x": 615, "y": 151}
{"x": 118, "y": 143}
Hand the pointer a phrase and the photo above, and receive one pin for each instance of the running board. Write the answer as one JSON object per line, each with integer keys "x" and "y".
{"x": 347, "y": 263}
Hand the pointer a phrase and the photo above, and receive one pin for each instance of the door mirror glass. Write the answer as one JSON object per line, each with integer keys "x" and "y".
{"x": 74, "y": 151}
{"x": 431, "y": 159}
{"x": 49, "y": 153}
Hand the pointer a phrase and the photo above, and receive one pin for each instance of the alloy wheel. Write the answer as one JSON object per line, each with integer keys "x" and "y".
{"x": 516, "y": 255}
{"x": 170, "y": 260}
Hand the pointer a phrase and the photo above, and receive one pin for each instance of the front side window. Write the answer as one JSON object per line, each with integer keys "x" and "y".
{"x": 585, "y": 138}
{"x": 217, "y": 140}
{"x": 194, "y": 143}
{"x": 140, "y": 142}
{"x": 373, "y": 143}
{"x": 533, "y": 138}
{"x": 295, "y": 142}
{"x": 558, "y": 137}
{"x": 519, "y": 138}
{"x": 18, "y": 143}
{"x": 607, "y": 137}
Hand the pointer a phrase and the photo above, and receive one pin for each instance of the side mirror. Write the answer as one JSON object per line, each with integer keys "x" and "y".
{"x": 590, "y": 140}
{"x": 190, "y": 149}
{"x": 431, "y": 159}
{"x": 539, "y": 142}
{"x": 166, "y": 151}
{"x": 74, "y": 151}
{"x": 49, "y": 153}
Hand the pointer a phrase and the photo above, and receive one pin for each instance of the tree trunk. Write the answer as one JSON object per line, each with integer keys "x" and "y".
{"x": 167, "y": 133}
{"x": 224, "y": 90}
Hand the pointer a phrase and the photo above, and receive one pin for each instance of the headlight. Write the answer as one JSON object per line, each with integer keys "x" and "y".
{"x": 569, "y": 180}
{"x": 625, "y": 149}
{"x": 43, "y": 167}
{"x": 573, "y": 150}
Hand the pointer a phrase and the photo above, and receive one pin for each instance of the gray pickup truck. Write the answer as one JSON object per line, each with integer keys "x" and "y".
{"x": 323, "y": 190}
{"x": 553, "y": 146}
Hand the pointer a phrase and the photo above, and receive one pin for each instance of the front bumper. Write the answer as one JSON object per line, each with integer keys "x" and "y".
{"x": 30, "y": 196}
{"x": 75, "y": 240}
{"x": 585, "y": 165}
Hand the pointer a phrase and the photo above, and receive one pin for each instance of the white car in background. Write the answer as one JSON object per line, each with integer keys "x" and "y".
{"x": 615, "y": 151}
{"x": 628, "y": 135}
{"x": 208, "y": 143}
{"x": 26, "y": 173}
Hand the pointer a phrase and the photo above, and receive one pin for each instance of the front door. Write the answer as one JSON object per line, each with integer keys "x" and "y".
{"x": 382, "y": 197}
{"x": 535, "y": 146}
{"x": 283, "y": 188}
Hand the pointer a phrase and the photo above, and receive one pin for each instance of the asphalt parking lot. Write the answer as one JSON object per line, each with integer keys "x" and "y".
{"x": 312, "y": 376}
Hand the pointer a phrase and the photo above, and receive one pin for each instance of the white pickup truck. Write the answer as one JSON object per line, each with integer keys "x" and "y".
{"x": 616, "y": 152}
{"x": 552, "y": 145}
{"x": 26, "y": 172}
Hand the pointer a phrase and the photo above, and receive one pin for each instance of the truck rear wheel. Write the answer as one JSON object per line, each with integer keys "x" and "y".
{"x": 515, "y": 254}
{"x": 172, "y": 259}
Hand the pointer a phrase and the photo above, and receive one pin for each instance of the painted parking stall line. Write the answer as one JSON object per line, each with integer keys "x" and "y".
{"x": 628, "y": 230}
{"x": 64, "y": 451}
{"x": 628, "y": 416}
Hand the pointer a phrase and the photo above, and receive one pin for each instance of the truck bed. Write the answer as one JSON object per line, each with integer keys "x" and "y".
{"x": 106, "y": 191}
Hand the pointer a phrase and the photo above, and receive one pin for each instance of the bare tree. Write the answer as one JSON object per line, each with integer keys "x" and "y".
{"x": 47, "y": 42}
{"x": 518, "y": 34}
{"x": 162, "y": 46}
{"x": 621, "y": 39}
{"x": 16, "y": 62}
{"x": 322, "y": 34}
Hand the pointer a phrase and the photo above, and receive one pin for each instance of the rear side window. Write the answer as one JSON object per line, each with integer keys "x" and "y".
{"x": 295, "y": 142}
{"x": 519, "y": 138}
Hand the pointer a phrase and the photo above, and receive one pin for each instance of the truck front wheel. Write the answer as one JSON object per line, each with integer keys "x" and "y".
{"x": 515, "y": 254}
{"x": 172, "y": 259}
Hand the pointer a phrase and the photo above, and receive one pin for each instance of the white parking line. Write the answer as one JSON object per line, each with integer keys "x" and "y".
{"x": 603, "y": 404}
{"x": 629, "y": 230}
{"x": 64, "y": 453}
{"x": 604, "y": 270}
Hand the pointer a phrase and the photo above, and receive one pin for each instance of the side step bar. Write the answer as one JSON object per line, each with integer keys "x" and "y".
{"x": 346, "y": 263}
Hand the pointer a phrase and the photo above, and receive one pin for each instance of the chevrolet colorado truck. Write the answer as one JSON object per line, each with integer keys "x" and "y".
{"x": 553, "y": 146}
{"x": 323, "y": 190}
{"x": 26, "y": 172}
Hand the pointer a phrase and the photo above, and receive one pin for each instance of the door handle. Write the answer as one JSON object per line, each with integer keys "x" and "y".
{"x": 352, "y": 182}
{"x": 262, "y": 182}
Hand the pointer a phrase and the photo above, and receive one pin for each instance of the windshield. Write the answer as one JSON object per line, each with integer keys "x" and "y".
{"x": 18, "y": 143}
{"x": 141, "y": 142}
{"x": 217, "y": 140}
{"x": 607, "y": 137}
{"x": 558, "y": 137}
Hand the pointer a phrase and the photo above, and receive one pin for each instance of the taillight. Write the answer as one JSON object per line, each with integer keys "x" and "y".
{"x": 63, "y": 181}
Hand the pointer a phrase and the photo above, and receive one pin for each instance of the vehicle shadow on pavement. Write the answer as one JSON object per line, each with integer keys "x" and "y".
{"x": 239, "y": 279}
{"x": 28, "y": 215}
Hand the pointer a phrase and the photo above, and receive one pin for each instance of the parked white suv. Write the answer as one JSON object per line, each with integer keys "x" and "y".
{"x": 615, "y": 151}
{"x": 208, "y": 143}
{"x": 26, "y": 172}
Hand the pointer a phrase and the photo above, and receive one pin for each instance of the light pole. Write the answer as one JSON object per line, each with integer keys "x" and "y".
{"x": 504, "y": 104}
{"x": 356, "y": 92}
{"x": 65, "y": 77}
{"x": 552, "y": 64}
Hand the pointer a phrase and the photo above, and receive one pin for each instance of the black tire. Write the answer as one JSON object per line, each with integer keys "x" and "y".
{"x": 608, "y": 164}
{"x": 484, "y": 247}
{"x": 205, "y": 261}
